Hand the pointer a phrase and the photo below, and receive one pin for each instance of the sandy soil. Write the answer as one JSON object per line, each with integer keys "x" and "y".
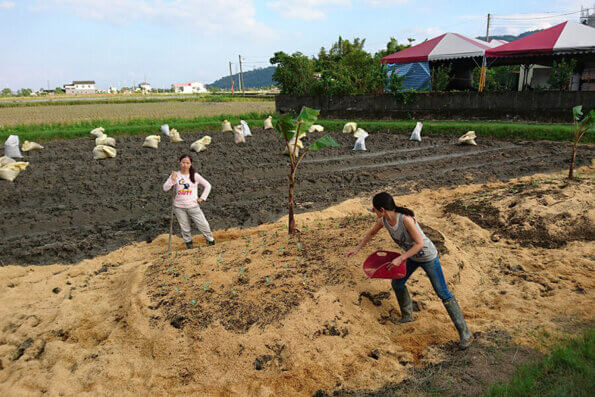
{"x": 67, "y": 207}
{"x": 262, "y": 313}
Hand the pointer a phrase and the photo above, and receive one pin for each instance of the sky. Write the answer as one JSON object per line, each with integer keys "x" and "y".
{"x": 121, "y": 42}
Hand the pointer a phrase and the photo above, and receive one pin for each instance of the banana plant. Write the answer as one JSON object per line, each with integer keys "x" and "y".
{"x": 582, "y": 125}
{"x": 290, "y": 129}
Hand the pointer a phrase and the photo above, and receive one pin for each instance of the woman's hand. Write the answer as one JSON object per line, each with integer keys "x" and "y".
{"x": 351, "y": 253}
{"x": 394, "y": 263}
{"x": 174, "y": 176}
{"x": 199, "y": 200}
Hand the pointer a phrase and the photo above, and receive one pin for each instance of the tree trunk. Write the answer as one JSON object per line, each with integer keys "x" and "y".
{"x": 571, "y": 171}
{"x": 291, "y": 225}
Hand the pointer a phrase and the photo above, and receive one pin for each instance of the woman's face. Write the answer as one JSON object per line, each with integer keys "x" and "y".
{"x": 185, "y": 164}
{"x": 380, "y": 213}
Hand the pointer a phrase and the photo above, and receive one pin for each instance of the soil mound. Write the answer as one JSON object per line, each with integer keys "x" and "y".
{"x": 67, "y": 207}
{"x": 261, "y": 313}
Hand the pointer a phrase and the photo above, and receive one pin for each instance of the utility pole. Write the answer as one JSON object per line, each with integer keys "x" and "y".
{"x": 241, "y": 74}
{"x": 488, "y": 29}
{"x": 230, "y": 78}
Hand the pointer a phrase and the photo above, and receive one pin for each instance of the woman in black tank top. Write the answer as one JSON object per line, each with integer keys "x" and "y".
{"x": 419, "y": 252}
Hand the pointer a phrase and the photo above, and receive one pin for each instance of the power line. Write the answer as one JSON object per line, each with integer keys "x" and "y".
{"x": 537, "y": 18}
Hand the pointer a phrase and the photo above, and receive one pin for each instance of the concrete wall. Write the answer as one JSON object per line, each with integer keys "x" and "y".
{"x": 510, "y": 105}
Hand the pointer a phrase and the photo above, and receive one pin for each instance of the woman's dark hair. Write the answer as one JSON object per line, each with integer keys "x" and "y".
{"x": 192, "y": 170}
{"x": 385, "y": 201}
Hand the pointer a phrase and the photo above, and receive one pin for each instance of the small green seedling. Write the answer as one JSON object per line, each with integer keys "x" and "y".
{"x": 205, "y": 286}
{"x": 287, "y": 265}
{"x": 193, "y": 302}
{"x": 282, "y": 250}
{"x": 299, "y": 246}
{"x": 241, "y": 272}
{"x": 176, "y": 289}
{"x": 219, "y": 260}
{"x": 233, "y": 292}
{"x": 186, "y": 277}
{"x": 268, "y": 280}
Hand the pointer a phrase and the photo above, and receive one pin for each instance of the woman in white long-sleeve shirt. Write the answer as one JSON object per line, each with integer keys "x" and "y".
{"x": 186, "y": 201}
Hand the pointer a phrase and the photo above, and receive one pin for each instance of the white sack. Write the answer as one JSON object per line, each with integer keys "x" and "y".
{"x": 201, "y": 144}
{"x": 103, "y": 152}
{"x": 360, "y": 143}
{"x": 268, "y": 123}
{"x": 349, "y": 128}
{"x": 174, "y": 136}
{"x": 30, "y": 146}
{"x": 359, "y": 132}
{"x": 416, "y": 134}
{"x": 245, "y": 128}
{"x": 291, "y": 144}
{"x": 468, "y": 139}
{"x": 165, "y": 129}
{"x": 105, "y": 140}
{"x": 11, "y": 147}
{"x": 5, "y": 160}
{"x": 316, "y": 128}
{"x": 10, "y": 171}
{"x": 238, "y": 134}
{"x": 226, "y": 126}
{"x": 97, "y": 132}
{"x": 152, "y": 141}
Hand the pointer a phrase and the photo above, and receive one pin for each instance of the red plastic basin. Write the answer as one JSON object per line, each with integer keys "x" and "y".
{"x": 375, "y": 265}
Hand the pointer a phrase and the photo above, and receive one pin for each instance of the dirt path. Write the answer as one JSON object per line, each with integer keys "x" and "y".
{"x": 67, "y": 207}
{"x": 261, "y": 313}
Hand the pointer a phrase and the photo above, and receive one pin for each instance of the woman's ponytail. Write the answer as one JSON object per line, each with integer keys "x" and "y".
{"x": 385, "y": 201}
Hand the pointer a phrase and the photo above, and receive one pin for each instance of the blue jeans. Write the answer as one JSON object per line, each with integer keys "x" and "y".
{"x": 434, "y": 271}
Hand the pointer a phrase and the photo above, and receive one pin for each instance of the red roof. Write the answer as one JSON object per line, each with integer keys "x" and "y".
{"x": 417, "y": 53}
{"x": 537, "y": 43}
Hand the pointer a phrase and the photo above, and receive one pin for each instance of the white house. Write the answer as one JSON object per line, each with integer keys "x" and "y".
{"x": 192, "y": 87}
{"x": 81, "y": 87}
{"x": 145, "y": 87}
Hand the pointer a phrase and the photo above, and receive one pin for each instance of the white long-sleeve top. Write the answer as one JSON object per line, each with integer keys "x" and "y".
{"x": 187, "y": 192}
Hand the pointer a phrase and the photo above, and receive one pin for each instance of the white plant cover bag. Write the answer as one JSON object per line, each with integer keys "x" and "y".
{"x": 290, "y": 145}
{"x": 10, "y": 171}
{"x": 201, "y": 144}
{"x": 416, "y": 134}
{"x": 174, "y": 136}
{"x": 152, "y": 141}
{"x": 103, "y": 152}
{"x": 97, "y": 132}
{"x": 245, "y": 128}
{"x": 11, "y": 147}
{"x": 349, "y": 128}
{"x": 468, "y": 139}
{"x": 359, "y": 132}
{"x": 238, "y": 134}
{"x": 268, "y": 123}
{"x": 165, "y": 129}
{"x": 360, "y": 143}
{"x": 105, "y": 140}
{"x": 316, "y": 128}
{"x": 27, "y": 146}
{"x": 6, "y": 160}
{"x": 226, "y": 126}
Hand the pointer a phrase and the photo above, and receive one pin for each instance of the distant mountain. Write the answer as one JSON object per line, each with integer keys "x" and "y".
{"x": 256, "y": 78}
{"x": 509, "y": 37}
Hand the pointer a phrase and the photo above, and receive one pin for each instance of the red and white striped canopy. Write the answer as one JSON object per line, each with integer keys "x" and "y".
{"x": 567, "y": 37}
{"x": 444, "y": 47}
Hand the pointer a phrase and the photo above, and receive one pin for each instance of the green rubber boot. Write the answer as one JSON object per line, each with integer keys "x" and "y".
{"x": 456, "y": 315}
{"x": 406, "y": 305}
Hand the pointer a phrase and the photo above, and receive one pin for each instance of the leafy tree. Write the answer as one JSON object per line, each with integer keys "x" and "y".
{"x": 294, "y": 74}
{"x": 24, "y": 92}
{"x": 441, "y": 77}
{"x": 393, "y": 46}
{"x": 6, "y": 92}
{"x": 498, "y": 78}
{"x": 58, "y": 90}
{"x": 561, "y": 73}
{"x": 290, "y": 129}
{"x": 582, "y": 125}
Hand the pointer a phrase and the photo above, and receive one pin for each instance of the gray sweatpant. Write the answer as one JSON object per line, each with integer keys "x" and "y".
{"x": 195, "y": 213}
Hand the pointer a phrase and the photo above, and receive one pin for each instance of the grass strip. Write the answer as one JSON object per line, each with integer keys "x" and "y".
{"x": 483, "y": 129}
{"x": 121, "y": 100}
{"x": 568, "y": 371}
